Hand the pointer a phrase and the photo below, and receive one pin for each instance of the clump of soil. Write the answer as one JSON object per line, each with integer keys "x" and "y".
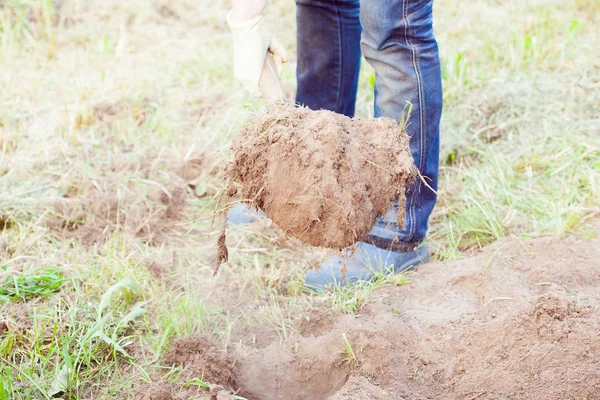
{"x": 359, "y": 388}
{"x": 200, "y": 358}
{"x": 552, "y": 313}
{"x": 154, "y": 391}
{"x": 322, "y": 177}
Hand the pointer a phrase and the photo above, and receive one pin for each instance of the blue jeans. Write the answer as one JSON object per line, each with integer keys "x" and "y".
{"x": 396, "y": 37}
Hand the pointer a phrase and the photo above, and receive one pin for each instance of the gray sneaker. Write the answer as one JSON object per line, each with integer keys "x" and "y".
{"x": 242, "y": 214}
{"x": 363, "y": 262}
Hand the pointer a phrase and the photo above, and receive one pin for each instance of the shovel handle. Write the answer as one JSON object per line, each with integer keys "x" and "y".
{"x": 270, "y": 84}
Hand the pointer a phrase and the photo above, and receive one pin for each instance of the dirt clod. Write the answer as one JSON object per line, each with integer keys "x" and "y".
{"x": 551, "y": 305}
{"x": 202, "y": 359}
{"x": 217, "y": 392}
{"x": 222, "y": 252}
{"x": 155, "y": 391}
{"x": 3, "y": 327}
{"x": 322, "y": 177}
{"x": 359, "y": 388}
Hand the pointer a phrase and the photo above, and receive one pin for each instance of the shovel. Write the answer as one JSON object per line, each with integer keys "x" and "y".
{"x": 270, "y": 84}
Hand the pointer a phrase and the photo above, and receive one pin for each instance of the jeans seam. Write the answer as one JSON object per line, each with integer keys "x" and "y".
{"x": 412, "y": 197}
{"x": 417, "y": 69}
{"x": 340, "y": 57}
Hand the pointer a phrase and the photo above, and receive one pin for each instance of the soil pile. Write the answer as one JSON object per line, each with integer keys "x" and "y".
{"x": 359, "y": 388}
{"x": 322, "y": 177}
{"x": 521, "y": 320}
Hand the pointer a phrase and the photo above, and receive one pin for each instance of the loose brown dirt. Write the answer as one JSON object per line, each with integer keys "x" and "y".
{"x": 154, "y": 391}
{"x": 322, "y": 177}
{"x": 145, "y": 213}
{"x": 521, "y": 320}
{"x": 360, "y": 388}
{"x": 201, "y": 358}
{"x": 149, "y": 207}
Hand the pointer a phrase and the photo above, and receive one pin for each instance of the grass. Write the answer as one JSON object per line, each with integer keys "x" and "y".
{"x": 25, "y": 286}
{"x": 130, "y": 103}
{"x": 352, "y": 297}
{"x": 80, "y": 337}
{"x": 6, "y": 378}
{"x": 350, "y": 356}
{"x": 206, "y": 385}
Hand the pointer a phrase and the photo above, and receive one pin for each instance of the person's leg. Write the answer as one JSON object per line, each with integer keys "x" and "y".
{"x": 328, "y": 54}
{"x": 398, "y": 42}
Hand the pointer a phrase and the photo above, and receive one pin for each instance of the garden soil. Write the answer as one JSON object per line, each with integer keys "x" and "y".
{"x": 143, "y": 208}
{"x": 520, "y": 320}
{"x": 322, "y": 177}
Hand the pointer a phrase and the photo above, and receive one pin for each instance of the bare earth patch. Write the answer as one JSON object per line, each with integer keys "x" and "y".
{"x": 149, "y": 206}
{"x": 201, "y": 358}
{"x": 520, "y": 320}
{"x": 154, "y": 391}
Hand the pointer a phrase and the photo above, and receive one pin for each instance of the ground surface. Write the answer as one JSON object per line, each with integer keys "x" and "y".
{"x": 519, "y": 320}
{"x": 115, "y": 124}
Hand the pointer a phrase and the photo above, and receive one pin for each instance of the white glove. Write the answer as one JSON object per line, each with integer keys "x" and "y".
{"x": 250, "y": 45}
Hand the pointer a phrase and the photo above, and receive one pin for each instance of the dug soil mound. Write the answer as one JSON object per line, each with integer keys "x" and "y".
{"x": 322, "y": 177}
{"x": 521, "y": 320}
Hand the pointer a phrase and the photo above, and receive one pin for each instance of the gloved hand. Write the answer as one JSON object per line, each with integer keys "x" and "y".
{"x": 250, "y": 45}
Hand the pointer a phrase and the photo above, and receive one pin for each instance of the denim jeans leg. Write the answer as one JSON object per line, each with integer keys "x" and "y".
{"x": 328, "y": 54}
{"x": 398, "y": 42}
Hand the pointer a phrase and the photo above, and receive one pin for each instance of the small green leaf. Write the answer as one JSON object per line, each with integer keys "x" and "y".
{"x": 136, "y": 312}
{"x": 197, "y": 382}
{"x": 574, "y": 26}
{"x": 113, "y": 344}
{"x": 41, "y": 283}
{"x": 124, "y": 284}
